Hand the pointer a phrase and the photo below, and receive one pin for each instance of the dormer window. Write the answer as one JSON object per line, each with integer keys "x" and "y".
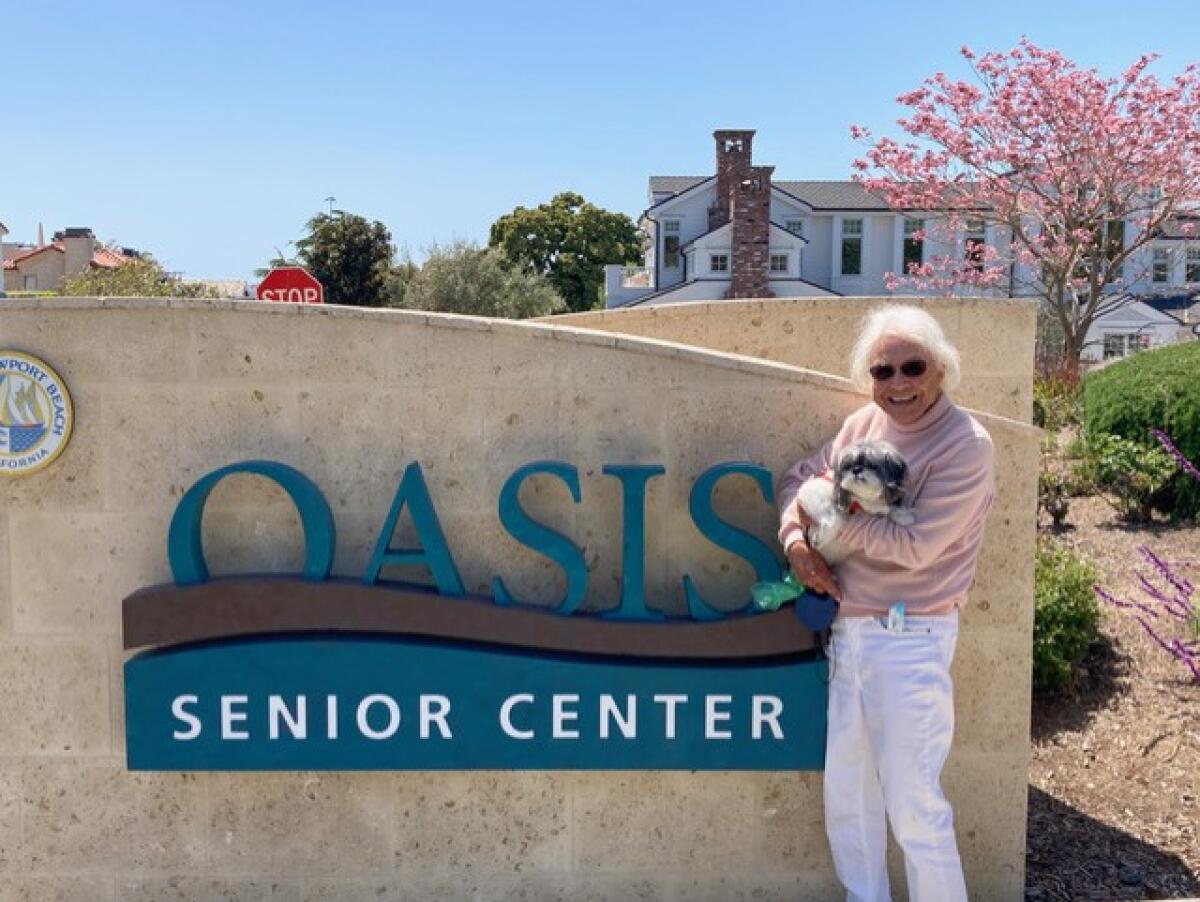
{"x": 779, "y": 262}
{"x": 852, "y": 230}
{"x": 973, "y": 244}
{"x": 1161, "y": 265}
{"x": 795, "y": 226}
{"x": 670, "y": 243}
{"x": 718, "y": 263}
{"x": 914, "y": 244}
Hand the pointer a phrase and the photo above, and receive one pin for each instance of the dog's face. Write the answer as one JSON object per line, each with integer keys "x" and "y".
{"x": 870, "y": 471}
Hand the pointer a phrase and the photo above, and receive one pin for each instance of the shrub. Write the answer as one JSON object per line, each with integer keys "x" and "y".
{"x": 1053, "y": 497}
{"x": 1152, "y": 390}
{"x": 1129, "y": 472}
{"x": 1056, "y": 402}
{"x": 1065, "y": 617}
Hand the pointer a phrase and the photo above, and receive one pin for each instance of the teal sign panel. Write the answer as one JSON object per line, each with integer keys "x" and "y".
{"x": 343, "y": 702}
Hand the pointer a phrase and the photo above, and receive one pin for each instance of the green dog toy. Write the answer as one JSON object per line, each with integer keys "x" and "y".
{"x": 771, "y": 596}
{"x": 815, "y": 611}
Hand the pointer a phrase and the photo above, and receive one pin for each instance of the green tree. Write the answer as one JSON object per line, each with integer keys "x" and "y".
{"x": 568, "y": 241}
{"x": 349, "y": 255}
{"x": 142, "y": 277}
{"x": 465, "y": 278}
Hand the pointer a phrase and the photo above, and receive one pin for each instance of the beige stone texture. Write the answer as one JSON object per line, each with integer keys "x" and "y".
{"x": 169, "y": 390}
{"x": 995, "y": 337}
{"x": 207, "y": 889}
{"x": 56, "y": 696}
{"x": 97, "y": 888}
{"x": 6, "y": 614}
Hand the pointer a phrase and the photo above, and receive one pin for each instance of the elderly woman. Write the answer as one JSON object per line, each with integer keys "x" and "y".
{"x": 891, "y": 709}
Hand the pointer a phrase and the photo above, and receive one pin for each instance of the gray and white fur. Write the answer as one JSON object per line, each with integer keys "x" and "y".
{"x": 869, "y": 473}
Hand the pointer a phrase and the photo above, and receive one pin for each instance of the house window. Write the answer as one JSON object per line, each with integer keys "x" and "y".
{"x": 1161, "y": 265}
{"x": 31, "y": 283}
{"x": 973, "y": 244}
{"x": 779, "y": 262}
{"x": 1121, "y": 344}
{"x": 1192, "y": 270}
{"x": 795, "y": 226}
{"x": 718, "y": 263}
{"x": 914, "y": 245}
{"x": 852, "y": 247}
{"x": 671, "y": 244}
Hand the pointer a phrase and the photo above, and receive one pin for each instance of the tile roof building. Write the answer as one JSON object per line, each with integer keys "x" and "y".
{"x": 44, "y": 267}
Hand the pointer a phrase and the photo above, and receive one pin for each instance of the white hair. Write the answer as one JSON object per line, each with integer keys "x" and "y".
{"x": 911, "y": 323}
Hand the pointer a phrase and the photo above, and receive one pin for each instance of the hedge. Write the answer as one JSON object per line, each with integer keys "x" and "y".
{"x": 1152, "y": 390}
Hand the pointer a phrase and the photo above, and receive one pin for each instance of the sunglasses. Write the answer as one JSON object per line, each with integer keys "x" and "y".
{"x": 882, "y": 372}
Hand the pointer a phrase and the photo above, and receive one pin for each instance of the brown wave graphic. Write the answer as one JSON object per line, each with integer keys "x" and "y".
{"x": 240, "y": 606}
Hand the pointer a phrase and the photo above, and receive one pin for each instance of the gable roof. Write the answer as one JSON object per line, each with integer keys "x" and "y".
{"x": 1173, "y": 305}
{"x": 1184, "y": 226}
{"x": 102, "y": 258}
{"x": 820, "y": 195}
{"x": 774, "y": 227}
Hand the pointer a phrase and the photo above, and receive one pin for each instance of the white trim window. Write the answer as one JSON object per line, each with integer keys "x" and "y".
{"x": 914, "y": 244}
{"x": 1122, "y": 344}
{"x": 670, "y": 244}
{"x": 1191, "y": 269}
{"x": 852, "y": 247}
{"x": 31, "y": 283}
{"x": 795, "y": 226}
{"x": 974, "y": 241}
{"x": 1160, "y": 268}
{"x": 718, "y": 263}
{"x": 779, "y": 263}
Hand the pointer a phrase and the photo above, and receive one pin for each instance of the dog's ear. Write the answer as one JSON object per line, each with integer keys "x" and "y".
{"x": 895, "y": 471}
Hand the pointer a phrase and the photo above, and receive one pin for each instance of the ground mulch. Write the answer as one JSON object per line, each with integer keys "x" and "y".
{"x": 1114, "y": 778}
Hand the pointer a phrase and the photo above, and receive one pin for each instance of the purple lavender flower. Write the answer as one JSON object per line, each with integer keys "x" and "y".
{"x": 1163, "y": 606}
{"x": 1184, "y": 464}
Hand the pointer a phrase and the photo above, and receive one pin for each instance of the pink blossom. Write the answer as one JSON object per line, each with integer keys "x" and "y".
{"x": 1051, "y": 152}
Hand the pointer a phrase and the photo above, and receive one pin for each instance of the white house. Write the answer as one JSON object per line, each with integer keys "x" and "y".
{"x": 1164, "y": 278}
{"x": 739, "y": 234}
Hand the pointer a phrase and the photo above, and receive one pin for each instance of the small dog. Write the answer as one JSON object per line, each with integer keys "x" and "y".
{"x": 867, "y": 476}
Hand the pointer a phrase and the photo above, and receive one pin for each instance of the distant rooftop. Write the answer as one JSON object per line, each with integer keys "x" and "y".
{"x": 820, "y": 195}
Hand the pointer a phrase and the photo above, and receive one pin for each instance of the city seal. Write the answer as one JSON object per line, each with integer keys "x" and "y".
{"x": 36, "y": 415}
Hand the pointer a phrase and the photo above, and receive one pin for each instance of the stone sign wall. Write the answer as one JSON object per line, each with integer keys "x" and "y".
{"x": 994, "y": 335}
{"x": 167, "y": 391}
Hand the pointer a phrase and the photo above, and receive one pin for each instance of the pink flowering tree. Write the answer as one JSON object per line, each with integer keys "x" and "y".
{"x": 1068, "y": 173}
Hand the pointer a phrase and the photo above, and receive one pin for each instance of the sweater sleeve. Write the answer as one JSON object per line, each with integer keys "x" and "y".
{"x": 790, "y": 530}
{"x": 956, "y": 495}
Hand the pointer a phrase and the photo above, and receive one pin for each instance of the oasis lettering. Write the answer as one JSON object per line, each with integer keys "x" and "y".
{"x": 433, "y": 549}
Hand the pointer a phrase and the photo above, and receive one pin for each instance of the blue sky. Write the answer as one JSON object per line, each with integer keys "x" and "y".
{"x": 207, "y": 133}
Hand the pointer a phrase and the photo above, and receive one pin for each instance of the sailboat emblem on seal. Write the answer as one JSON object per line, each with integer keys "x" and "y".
{"x": 35, "y": 414}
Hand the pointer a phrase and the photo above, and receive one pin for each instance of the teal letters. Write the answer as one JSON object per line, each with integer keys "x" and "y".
{"x": 188, "y": 566}
{"x": 633, "y": 539}
{"x": 434, "y": 553}
{"x": 540, "y": 538}
{"x": 185, "y": 550}
{"x": 724, "y": 535}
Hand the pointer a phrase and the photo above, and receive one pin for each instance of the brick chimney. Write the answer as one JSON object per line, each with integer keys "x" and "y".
{"x": 733, "y": 161}
{"x": 77, "y": 247}
{"x": 750, "y": 204}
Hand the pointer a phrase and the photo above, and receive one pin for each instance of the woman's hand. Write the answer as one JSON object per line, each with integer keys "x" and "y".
{"x": 810, "y": 568}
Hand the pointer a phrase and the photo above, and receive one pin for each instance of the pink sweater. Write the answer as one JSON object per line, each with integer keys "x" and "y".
{"x": 930, "y": 564}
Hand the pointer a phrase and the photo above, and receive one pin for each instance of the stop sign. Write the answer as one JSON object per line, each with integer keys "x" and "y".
{"x": 292, "y": 284}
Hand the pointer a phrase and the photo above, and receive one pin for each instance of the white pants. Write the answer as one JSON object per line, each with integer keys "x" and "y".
{"x": 891, "y": 720}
